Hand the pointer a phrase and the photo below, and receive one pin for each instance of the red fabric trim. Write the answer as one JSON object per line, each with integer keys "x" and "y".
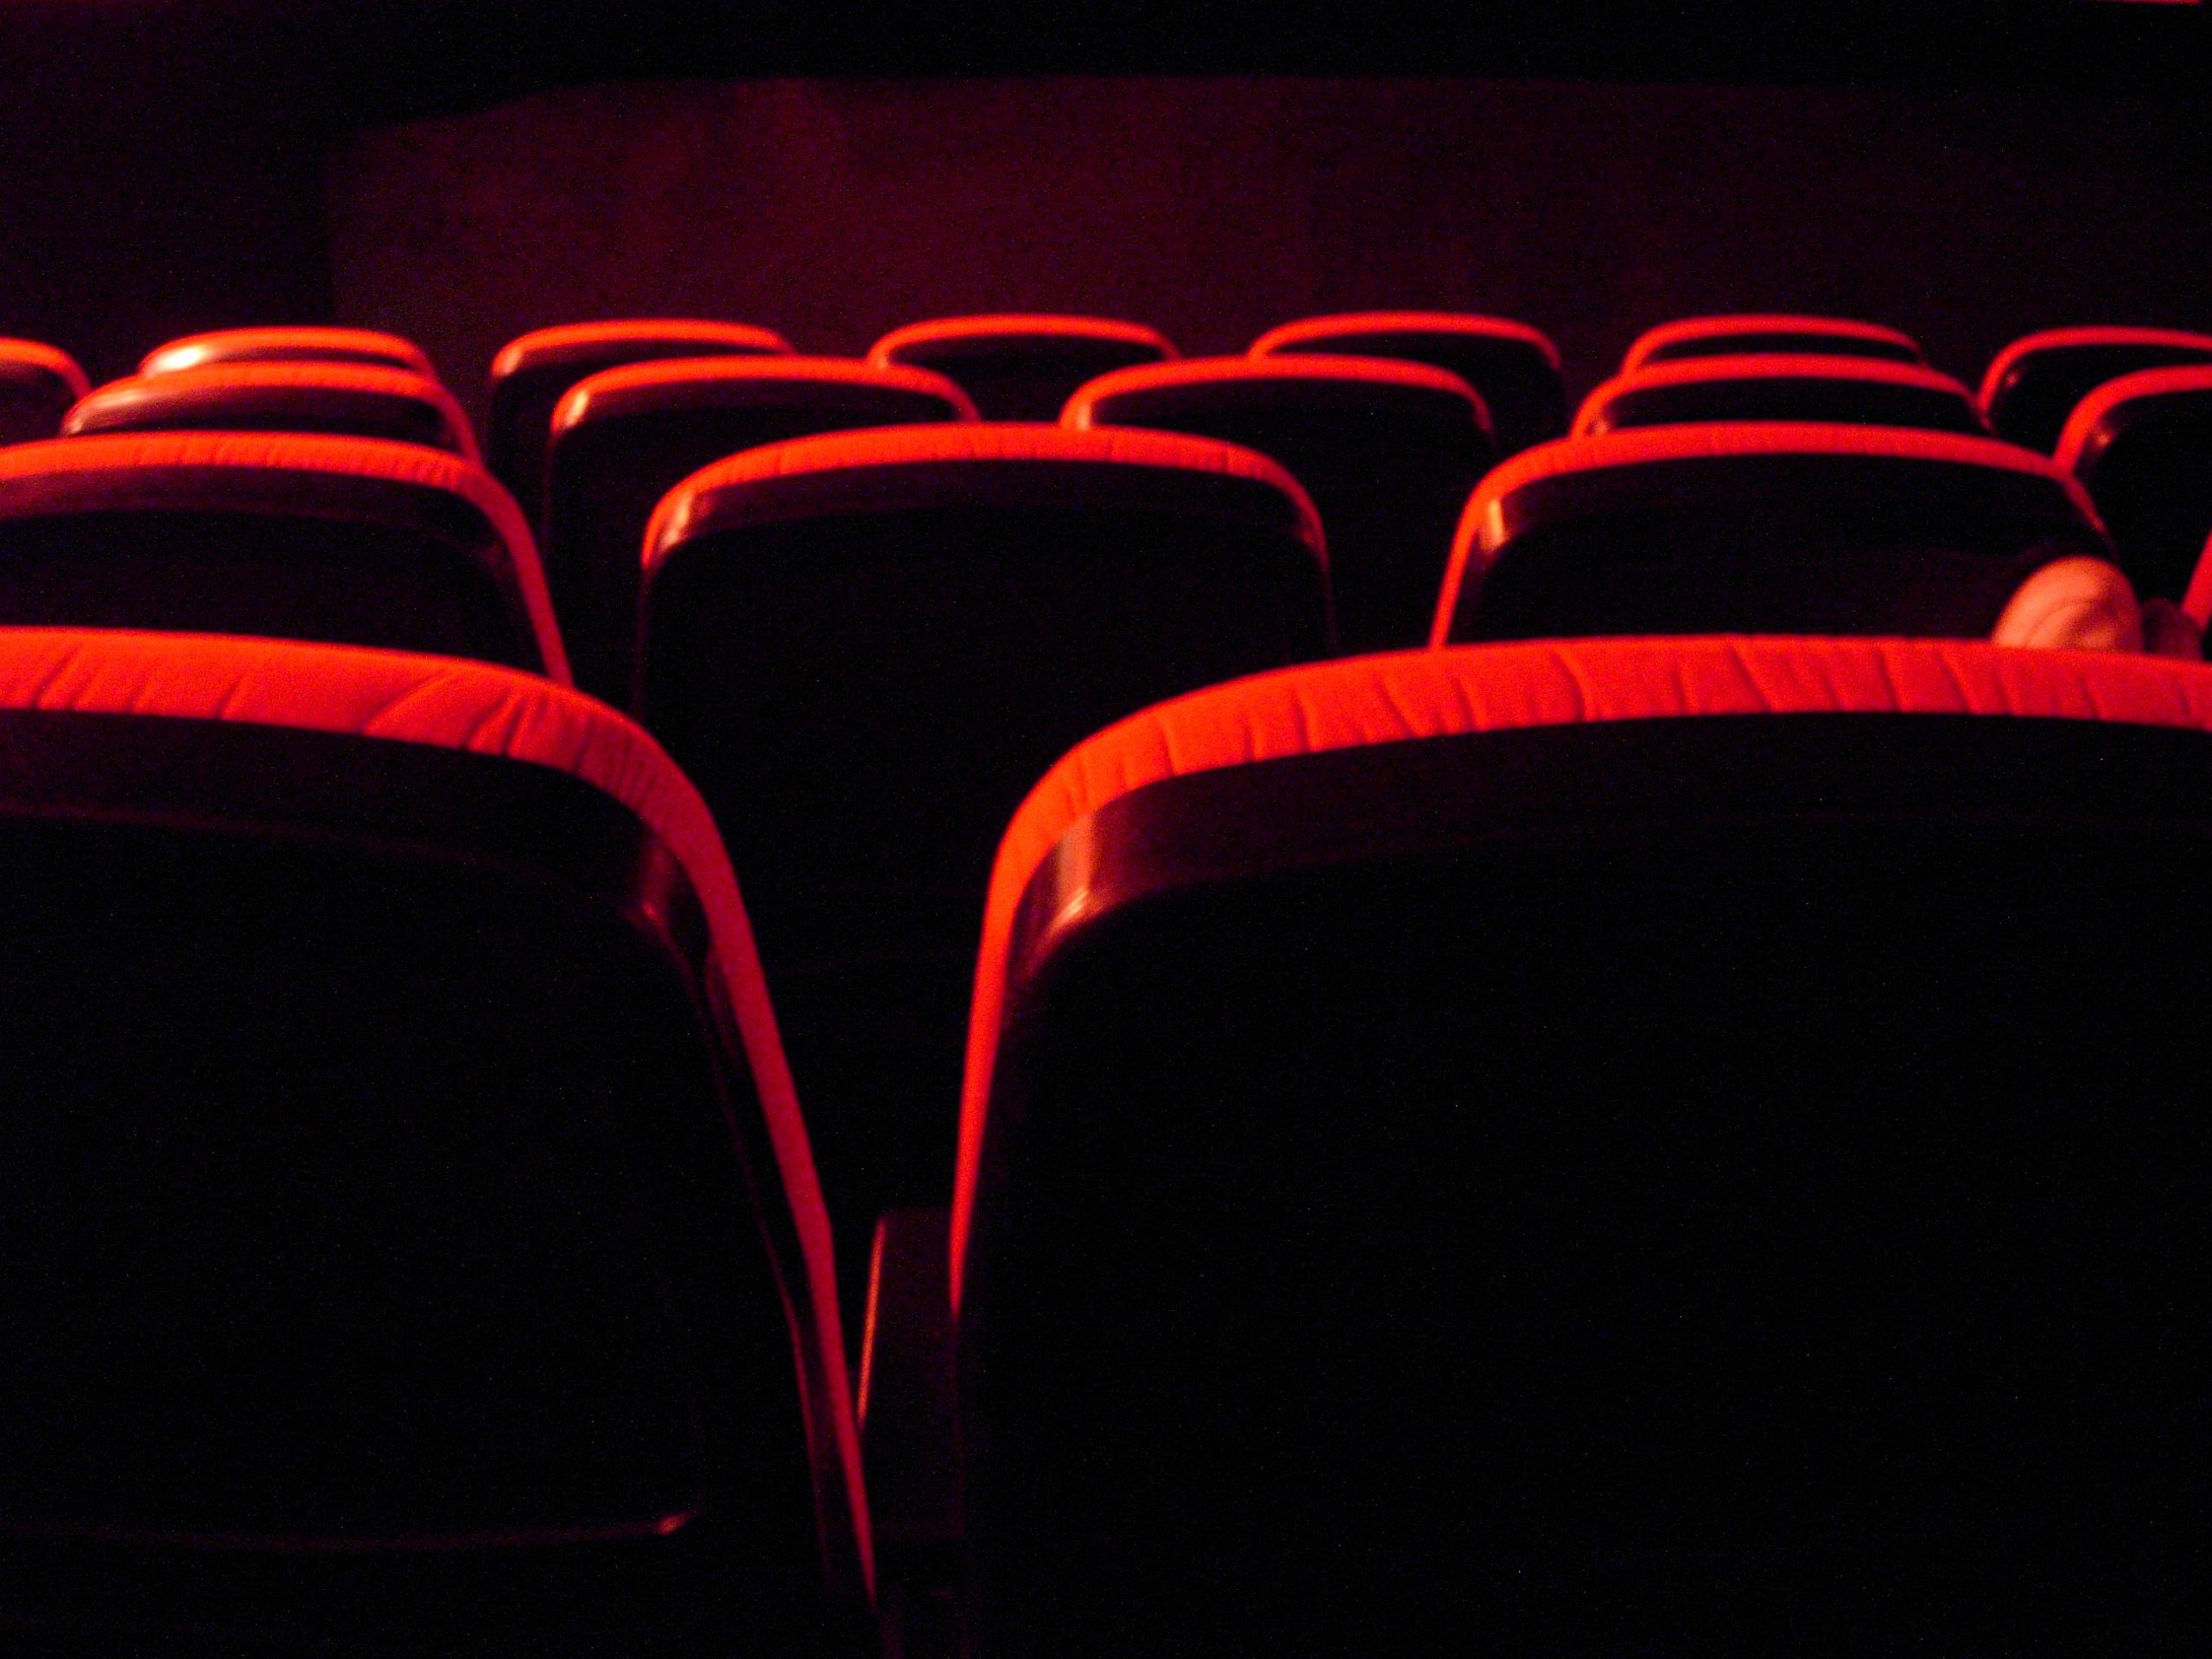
{"x": 39, "y": 355}
{"x": 444, "y": 703}
{"x": 1667, "y": 333}
{"x": 338, "y": 377}
{"x": 1013, "y": 327}
{"x": 1761, "y": 365}
{"x": 263, "y": 345}
{"x": 569, "y": 337}
{"x": 409, "y": 464}
{"x": 1387, "y": 699}
{"x": 1285, "y": 370}
{"x": 2196, "y": 604}
{"x": 2090, "y": 412}
{"x": 1289, "y": 336}
{"x": 575, "y": 407}
{"x": 2059, "y": 339}
{"x": 987, "y": 443}
{"x": 1641, "y": 446}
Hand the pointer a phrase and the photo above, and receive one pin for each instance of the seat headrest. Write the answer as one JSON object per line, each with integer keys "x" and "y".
{"x": 1289, "y": 337}
{"x": 1767, "y": 331}
{"x": 746, "y": 382}
{"x": 611, "y": 341}
{"x": 34, "y": 360}
{"x": 288, "y": 345}
{"x": 2004, "y": 365}
{"x": 1287, "y": 381}
{"x": 1765, "y": 366}
{"x": 2097, "y": 417}
{"x": 254, "y": 471}
{"x": 1385, "y": 700}
{"x": 998, "y": 464}
{"x": 264, "y": 396}
{"x": 954, "y": 337}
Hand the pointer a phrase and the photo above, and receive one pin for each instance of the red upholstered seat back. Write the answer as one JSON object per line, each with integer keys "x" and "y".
{"x": 1735, "y": 336}
{"x": 339, "y": 399}
{"x": 352, "y": 541}
{"x": 37, "y": 385}
{"x": 864, "y": 648}
{"x": 625, "y": 437}
{"x": 1387, "y": 449}
{"x": 412, "y": 1232}
{"x": 1780, "y": 387}
{"x": 1607, "y": 1146}
{"x": 2033, "y": 384}
{"x": 1513, "y": 367}
{"x": 532, "y": 374}
{"x": 2141, "y": 445}
{"x": 366, "y": 346}
{"x": 1021, "y": 366}
{"x": 1760, "y": 527}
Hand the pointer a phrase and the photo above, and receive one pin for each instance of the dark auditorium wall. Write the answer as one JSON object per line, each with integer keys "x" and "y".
{"x": 834, "y": 210}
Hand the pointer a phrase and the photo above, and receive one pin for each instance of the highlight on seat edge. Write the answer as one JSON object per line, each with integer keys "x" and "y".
{"x": 1075, "y": 831}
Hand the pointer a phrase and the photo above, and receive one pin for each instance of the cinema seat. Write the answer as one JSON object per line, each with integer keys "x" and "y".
{"x": 288, "y": 345}
{"x": 2033, "y": 384}
{"x": 37, "y": 385}
{"x": 1387, "y": 449}
{"x": 1513, "y": 367}
{"x": 625, "y": 437}
{"x": 2141, "y": 445}
{"x": 1612, "y": 1146}
{"x": 866, "y": 647}
{"x": 1761, "y": 335}
{"x": 348, "y": 541}
{"x": 532, "y": 374}
{"x": 341, "y": 399}
{"x": 1021, "y": 367}
{"x": 1780, "y": 528}
{"x": 1855, "y": 390}
{"x": 412, "y": 1243}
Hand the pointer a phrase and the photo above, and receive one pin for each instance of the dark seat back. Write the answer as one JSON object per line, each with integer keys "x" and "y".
{"x": 348, "y": 541}
{"x": 2142, "y": 447}
{"x": 37, "y": 385}
{"x": 341, "y": 399}
{"x": 1387, "y": 449}
{"x": 866, "y": 647}
{"x": 626, "y": 437}
{"x": 1852, "y": 391}
{"x": 532, "y": 374}
{"x": 1757, "y": 333}
{"x": 366, "y": 346}
{"x": 2033, "y": 384}
{"x": 1627, "y": 1146}
{"x": 1513, "y": 368}
{"x": 412, "y": 1246}
{"x": 1021, "y": 366}
{"x": 1762, "y": 528}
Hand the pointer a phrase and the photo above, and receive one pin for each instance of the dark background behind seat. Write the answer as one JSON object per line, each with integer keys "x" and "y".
{"x": 444, "y": 170}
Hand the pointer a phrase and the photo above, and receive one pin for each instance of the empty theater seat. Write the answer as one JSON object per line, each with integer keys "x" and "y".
{"x": 2033, "y": 384}
{"x": 37, "y": 385}
{"x": 1776, "y": 527}
{"x": 2142, "y": 447}
{"x": 1513, "y": 367}
{"x": 866, "y": 647}
{"x": 1858, "y": 391}
{"x": 412, "y": 1245}
{"x": 350, "y": 541}
{"x": 1757, "y": 334}
{"x": 532, "y": 374}
{"x": 1387, "y": 449}
{"x": 288, "y": 345}
{"x": 1021, "y": 367}
{"x": 625, "y": 437}
{"x": 345, "y": 399}
{"x": 1619, "y": 1146}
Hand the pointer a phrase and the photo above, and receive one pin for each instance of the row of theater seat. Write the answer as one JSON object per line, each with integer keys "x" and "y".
{"x": 1305, "y": 1004}
{"x": 865, "y": 646}
{"x": 1627, "y": 1145}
